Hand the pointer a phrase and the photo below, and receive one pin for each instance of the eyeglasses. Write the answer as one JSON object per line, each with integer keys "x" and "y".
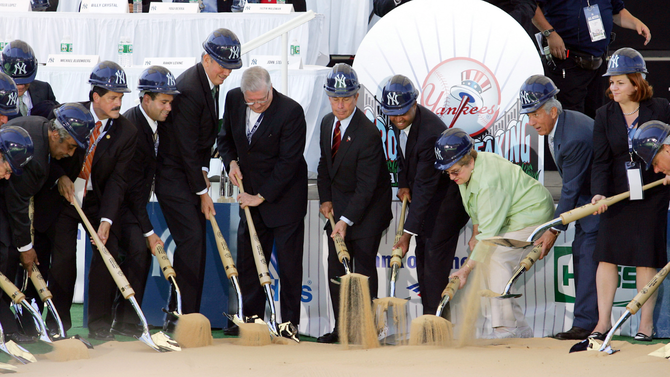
{"x": 259, "y": 102}
{"x": 455, "y": 173}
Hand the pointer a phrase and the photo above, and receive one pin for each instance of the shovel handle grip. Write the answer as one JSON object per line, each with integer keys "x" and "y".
{"x": 164, "y": 262}
{"x": 113, "y": 267}
{"x": 11, "y": 290}
{"x": 451, "y": 288}
{"x": 256, "y": 247}
{"x": 40, "y": 284}
{"x": 636, "y": 303}
{"x": 589, "y": 209}
{"x": 531, "y": 258}
{"x": 224, "y": 251}
{"x": 340, "y": 246}
{"x": 396, "y": 254}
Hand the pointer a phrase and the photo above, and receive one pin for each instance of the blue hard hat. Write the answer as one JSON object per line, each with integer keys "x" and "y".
{"x": 16, "y": 147}
{"x": 648, "y": 140}
{"x": 157, "y": 79}
{"x": 9, "y": 96}
{"x": 77, "y": 121}
{"x": 535, "y": 91}
{"x": 110, "y": 76}
{"x": 398, "y": 95}
{"x": 224, "y": 47}
{"x": 342, "y": 81}
{"x": 452, "y": 145}
{"x": 39, "y": 5}
{"x": 19, "y": 61}
{"x": 626, "y": 60}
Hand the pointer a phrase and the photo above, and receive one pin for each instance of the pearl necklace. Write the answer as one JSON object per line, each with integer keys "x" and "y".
{"x": 632, "y": 112}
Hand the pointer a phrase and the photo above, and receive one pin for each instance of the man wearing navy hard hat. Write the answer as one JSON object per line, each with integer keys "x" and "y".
{"x": 186, "y": 140}
{"x": 98, "y": 173}
{"x": 158, "y": 88}
{"x": 436, "y": 213}
{"x": 570, "y": 139}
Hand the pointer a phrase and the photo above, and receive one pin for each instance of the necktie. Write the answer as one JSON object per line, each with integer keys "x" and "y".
{"x": 551, "y": 146}
{"x": 22, "y": 107}
{"x": 86, "y": 169}
{"x": 337, "y": 138}
{"x": 403, "y": 142}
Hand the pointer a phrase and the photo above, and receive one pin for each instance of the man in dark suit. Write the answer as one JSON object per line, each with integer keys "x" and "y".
{"x": 99, "y": 173}
{"x": 570, "y": 135}
{"x": 57, "y": 139}
{"x": 436, "y": 214}
{"x": 157, "y": 88}
{"x": 19, "y": 62}
{"x": 353, "y": 182}
{"x": 185, "y": 149}
{"x": 262, "y": 143}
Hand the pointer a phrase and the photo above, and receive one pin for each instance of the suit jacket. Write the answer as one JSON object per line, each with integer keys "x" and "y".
{"x": 189, "y": 132}
{"x": 357, "y": 182}
{"x": 112, "y": 155}
{"x": 573, "y": 151}
{"x": 39, "y": 91}
{"x": 428, "y": 186}
{"x": 19, "y": 189}
{"x": 273, "y": 164}
{"x": 141, "y": 170}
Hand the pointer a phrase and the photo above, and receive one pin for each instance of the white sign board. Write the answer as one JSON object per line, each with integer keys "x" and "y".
{"x": 268, "y": 8}
{"x": 163, "y": 8}
{"x": 104, "y": 6}
{"x": 15, "y": 6}
{"x": 168, "y": 63}
{"x": 274, "y": 61}
{"x": 70, "y": 60}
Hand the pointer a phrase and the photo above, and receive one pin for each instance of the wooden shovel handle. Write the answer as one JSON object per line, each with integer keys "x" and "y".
{"x": 641, "y": 297}
{"x": 451, "y": 288}
{"x": 340, "y": 246}
{"x": 11, "y": 290}
{"x": 224, "y": 251}
{"x": 531, "y": 258}
{"x": 40, "y": 284}
{"x": 164, "y": 262}
{"x": 396, "y": 254}
{"x": 257, "y": 248}
{"x": 589, "y": 209}
{"x": 113, "y": 267}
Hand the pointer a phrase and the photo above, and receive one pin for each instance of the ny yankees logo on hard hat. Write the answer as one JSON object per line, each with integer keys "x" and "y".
{"x": 614, "y": 61}
{"x": 120, "y": 77}
{"x": 11, "y": 99}
{"x": 527, "y": 97}
{"x": 438, "y": 153}
{"x": 20, "y": 68}
{"x": 340, "y": 81}
{"x": 392, "y": 99}
{"x": 234, "y": 52}
{"x": 170, "y": 79}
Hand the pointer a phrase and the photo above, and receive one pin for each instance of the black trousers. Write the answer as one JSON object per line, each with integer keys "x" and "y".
{"x": 363, "y": 253}
{"x": 9, "y": 265}
{"x": 436, "y": 247}
{"x": 135, "y": 263}
{"x": 288, "y": 242}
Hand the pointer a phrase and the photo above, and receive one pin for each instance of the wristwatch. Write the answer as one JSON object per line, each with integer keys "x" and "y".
{"x": 555, "y": 232}
{"x": 547, "y": 32}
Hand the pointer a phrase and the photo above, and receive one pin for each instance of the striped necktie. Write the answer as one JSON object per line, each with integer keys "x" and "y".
{"x": 337, "y": 138}
{"x": 86, "y": 169}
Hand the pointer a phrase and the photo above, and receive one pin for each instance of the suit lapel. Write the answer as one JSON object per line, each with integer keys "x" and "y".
{"x": 347, "y": 139}
{"x": 106, "y": 140}
{"x": 204, "y": 82}
{"x": 558, "y": 139}
{"x": 267, "y": 122}
{"x": 326, "y": 144}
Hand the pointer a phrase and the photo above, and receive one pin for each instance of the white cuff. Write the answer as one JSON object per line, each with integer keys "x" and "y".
{"x": 407, "y": 231}
{"x": 205, "y": 169}
{"x": 26, "y": 248}
{"x": 149, "y": 233}
{"x": 203, "y": 192}
{"x": 349, "y": 222}
{"x": 106, "y": 220}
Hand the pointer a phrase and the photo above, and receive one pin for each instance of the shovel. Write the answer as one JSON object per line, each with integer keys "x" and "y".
{"x": 159, "y": 341}
{"x": 565, "y": 218}
{"x": 633, "y": 306}
{"x": 341, "y": 248}
{"x": 286, "y": 329}
{"x": 396, "y": 254}
{"x": 45, "y": 295}
{"x": 14, "y": 350}
{"x": 168, "y": 272}
{"x": 524, "y": 265}
{"x": 448, "y": 294}
{"x": 228, "y": 265}
{"x": 19, "y": 298}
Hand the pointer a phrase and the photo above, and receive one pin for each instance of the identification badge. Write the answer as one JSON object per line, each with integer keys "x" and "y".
{"x": 634, "y": 180}
{"x": 594, "y": 23}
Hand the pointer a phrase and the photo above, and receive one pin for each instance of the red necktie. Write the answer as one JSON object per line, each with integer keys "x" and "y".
{"x": 86, "y": 169}
{"x": 336, "y": 139}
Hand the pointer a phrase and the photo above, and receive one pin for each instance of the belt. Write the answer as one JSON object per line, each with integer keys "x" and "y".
{"x": 586, "y": 61}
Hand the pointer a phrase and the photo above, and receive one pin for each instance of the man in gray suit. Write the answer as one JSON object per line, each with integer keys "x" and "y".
{"x": 570, "y": 136}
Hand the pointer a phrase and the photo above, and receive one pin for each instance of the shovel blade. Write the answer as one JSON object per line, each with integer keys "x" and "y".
{"x": 16, "y": 351}
{"x": 510, "y": 295}
{"x": 159, "y": 341}
{"x": 289, "y": 331}
{"x": 589, "y": 344}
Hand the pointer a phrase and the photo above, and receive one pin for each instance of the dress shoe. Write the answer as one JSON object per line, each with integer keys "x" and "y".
{"x": 126, "y": 329}
{"x": 331, "y": 337}
{"x": 103, "y": 335}
{"x": 575, "y": 333}
{"x": 642, "y": 337}
{"x": 597, "y": 335}
{"x": 232, "y": 330}
{"x": 20, "y": 338}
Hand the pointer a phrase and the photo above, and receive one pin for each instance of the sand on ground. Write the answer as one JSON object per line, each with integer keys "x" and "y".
{"x": 512, "y": 357}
